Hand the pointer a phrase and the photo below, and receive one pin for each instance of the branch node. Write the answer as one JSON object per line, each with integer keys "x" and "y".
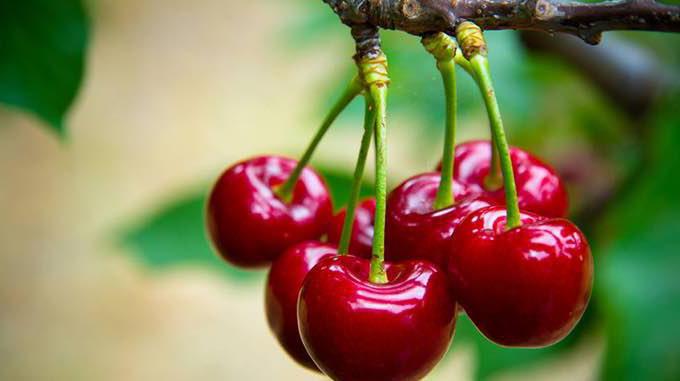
{"x": 441, "y": 46}
{"x": 471, "y": 39}
{"x": 373, "y": 70}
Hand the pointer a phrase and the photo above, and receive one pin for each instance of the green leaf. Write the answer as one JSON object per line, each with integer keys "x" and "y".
{"x": 42, "y": 52}
{"x": 176, "y": 236}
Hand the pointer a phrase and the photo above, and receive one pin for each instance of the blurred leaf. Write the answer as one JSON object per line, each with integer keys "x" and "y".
{"x": 638, "y": 282}
{"x": 176, "y": 234}
{"x": 42, "y": 51}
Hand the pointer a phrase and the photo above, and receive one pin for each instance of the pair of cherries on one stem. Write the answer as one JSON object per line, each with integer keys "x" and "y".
{"x": 413, "y": 314}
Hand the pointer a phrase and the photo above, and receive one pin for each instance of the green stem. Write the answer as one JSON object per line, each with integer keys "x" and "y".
{"x": 377, "y": 274}
{"x": 494, "y": 179}
{"x": 445, "y": 197}
{"x": 464, "y": 63}
{"x": 369, "y": 122}
{"x": 354, "y": 88}
{"x": 480, "y": 65}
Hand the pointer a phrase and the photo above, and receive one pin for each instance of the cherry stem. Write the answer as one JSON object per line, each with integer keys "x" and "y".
{"x": 464, "y": 63}
{"x": 378, "y": 91}
{"x": 444, "y": 49}
{"x": 354, "y": 88}
{"x": 494, "y": 179}
{"x": 369, "y": 123}
{"x": 480, "y": 64}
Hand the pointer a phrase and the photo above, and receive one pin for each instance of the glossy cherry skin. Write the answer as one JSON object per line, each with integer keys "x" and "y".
{"x": 524, "y": 287}
{"x": 414, "y": 230}
{"x": 539, "y": 188}
{"x": 356, "y": 330}
{"x": 361, "y": 241}
{"x": 285, "y": 279}
{"x": 250, "y": 226}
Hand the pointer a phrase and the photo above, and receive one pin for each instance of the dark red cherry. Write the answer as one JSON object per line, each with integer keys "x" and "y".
{"x": 250, "y": 226}
{"x": 414, "y": 230}
{"x": 356, "y": 330}
{"x": 539, "y": 188}
{"x": 524, "y": 287}
{"x": 361, "y": 241}
{"x": 285, "y": 279}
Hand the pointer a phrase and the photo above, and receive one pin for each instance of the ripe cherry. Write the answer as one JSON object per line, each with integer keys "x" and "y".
{"x": 539, "y": 188}
{"x": 285, "y": 279}
{"x": 357, "y": 330}
{"x": 523, "y": 287}
{"x": 414, "y": 230}
{"x": 250, "y": 226}
{"x": 361, "y": 241}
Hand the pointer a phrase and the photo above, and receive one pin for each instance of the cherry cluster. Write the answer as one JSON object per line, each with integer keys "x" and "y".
{"x": 522, "y": 286}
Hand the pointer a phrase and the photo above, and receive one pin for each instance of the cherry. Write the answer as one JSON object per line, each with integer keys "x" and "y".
{"x": 285, "y": 279}
{"x": 361, "y": 241}
{"x": 539, "y": 188}
{"x": 250, "y": 225}
{"x": 357, "y": 330}
{"x": 414, "y": 229}
{"x": 523, "y": 287}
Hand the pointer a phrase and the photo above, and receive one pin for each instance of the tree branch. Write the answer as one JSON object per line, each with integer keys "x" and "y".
{"x": 585, "y": 20}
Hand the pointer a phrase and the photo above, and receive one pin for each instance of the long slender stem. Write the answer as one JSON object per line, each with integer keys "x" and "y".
{"x": 494, "y": 179}
{"x": 481, "y": 66}
{"x": 377, "y": 274}
{"x": 445, "y": 196}
{"x": 354, "y": 88}
{"x": 369, "y": 123}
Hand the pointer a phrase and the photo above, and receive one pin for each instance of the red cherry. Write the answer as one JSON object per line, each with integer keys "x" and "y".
{"x": 361, "y": 242}
{"x": 250, "y": 225}
{"x": 539, "y": 188}
{"x": 414, "y": 230}
{"x": 285, "y": 279}
{"x": 524, "y": 287}
{"x": 356, "y": 330}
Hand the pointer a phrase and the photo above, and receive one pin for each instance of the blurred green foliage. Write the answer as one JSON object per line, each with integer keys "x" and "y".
{"x": 638, "y": 283}
{"x": 42, "y": 54}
